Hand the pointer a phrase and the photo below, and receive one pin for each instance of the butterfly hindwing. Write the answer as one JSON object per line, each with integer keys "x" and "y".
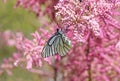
{"x": 63, "y": 46}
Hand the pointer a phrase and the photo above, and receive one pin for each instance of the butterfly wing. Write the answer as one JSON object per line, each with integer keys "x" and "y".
{"x": 64, "y": 46}
{"x": 51, "y": 46}
{"x": 58, "y": 43}
{"x": 52, "y": 39}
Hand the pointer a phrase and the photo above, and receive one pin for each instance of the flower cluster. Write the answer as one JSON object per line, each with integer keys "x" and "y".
{"x": 28, "y": 51}
{"x": 93, "y": 28}
{"x": 85, "y": 16}
{"x": 8, "y": 64}
{"x": 7, "y": 38}
{"x": 37, "y": 6}
{"x": 32, "y": 48}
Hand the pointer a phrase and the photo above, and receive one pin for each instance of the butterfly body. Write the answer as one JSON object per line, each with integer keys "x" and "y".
{"x": 58, "y": 43}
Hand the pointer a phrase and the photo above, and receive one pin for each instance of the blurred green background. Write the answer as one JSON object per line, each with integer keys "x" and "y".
{"x": 19, "y": 20}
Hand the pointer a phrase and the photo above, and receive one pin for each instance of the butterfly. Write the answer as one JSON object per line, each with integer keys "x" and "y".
{"x": 57, "y": 44}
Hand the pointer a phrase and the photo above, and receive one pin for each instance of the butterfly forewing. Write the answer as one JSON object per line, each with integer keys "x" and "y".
{"x": 45, "y": 51}
{"x": 52, "y": 39}
{"x": 50, "y": 48}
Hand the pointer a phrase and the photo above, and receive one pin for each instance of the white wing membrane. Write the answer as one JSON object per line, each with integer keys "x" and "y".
{"x": 52, "y": 39}
{"x": 63, "y": 47}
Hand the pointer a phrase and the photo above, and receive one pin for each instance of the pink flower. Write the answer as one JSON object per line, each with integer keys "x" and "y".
{"x": 93, "y": 28}
{"x": 118, "y": 45}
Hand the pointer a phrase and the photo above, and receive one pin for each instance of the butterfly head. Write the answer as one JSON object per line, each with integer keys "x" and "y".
{"x": 59, "y": 31}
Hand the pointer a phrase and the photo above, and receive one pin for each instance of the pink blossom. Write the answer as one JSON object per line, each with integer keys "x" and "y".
{"x": 7, "y": 38}
{"x": 4, "y": 1}
{"x": 118, "y": 45}
{"x": 93, "y": 28}
{"x": 35, "y": 6}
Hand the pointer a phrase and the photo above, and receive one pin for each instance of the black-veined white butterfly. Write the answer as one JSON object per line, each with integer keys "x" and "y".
{"x": 58, "y": 43}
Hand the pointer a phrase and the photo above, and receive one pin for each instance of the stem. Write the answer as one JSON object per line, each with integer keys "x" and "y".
{"x": 89, "y": 60}
{"x": 55, "y": 68}
{"x": 89, "y": 73}
{"x": 55, "y": 73}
